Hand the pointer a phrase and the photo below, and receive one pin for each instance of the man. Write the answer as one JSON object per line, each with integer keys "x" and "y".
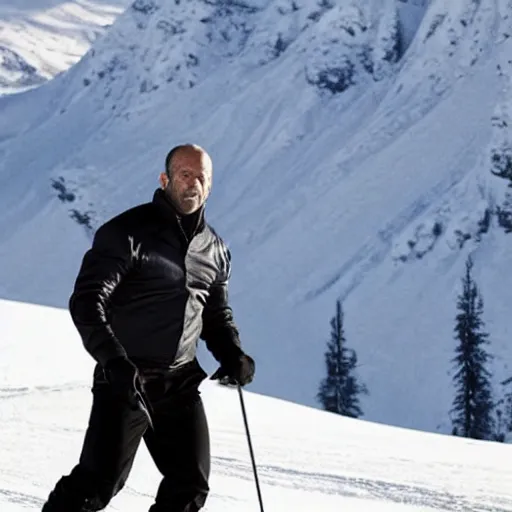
{"x": 154, "y": 282}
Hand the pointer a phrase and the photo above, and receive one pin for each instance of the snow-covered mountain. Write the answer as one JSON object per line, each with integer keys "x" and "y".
{"x": 307, "y": 460}
{"x": 41, "y": 38}
{"x": 353, "y": 146}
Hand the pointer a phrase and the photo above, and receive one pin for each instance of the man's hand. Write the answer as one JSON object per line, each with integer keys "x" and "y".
{"x": 124, "y": 379}
{"x": 237, "y": 371}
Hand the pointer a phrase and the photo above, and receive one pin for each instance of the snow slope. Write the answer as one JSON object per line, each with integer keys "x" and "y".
{"x": 347, "y": 165}
{"x": 41, "y": 38}
{"x": 306, "y": 459}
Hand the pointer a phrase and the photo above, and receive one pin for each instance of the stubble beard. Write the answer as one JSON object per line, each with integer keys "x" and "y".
{"x": 185, "y": 205}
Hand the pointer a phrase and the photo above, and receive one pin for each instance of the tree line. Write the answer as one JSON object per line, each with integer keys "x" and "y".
{"x": 475, "y": 412}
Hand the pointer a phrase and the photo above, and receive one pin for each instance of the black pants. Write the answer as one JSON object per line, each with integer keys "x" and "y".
{"x": 178, "y": 444}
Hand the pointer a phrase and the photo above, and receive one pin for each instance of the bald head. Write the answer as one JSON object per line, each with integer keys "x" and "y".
{"x": 190, "y": 151}
{"x": 187, "y": 178}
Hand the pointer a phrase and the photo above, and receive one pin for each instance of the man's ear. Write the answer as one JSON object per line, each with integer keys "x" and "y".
{"x": 164, "y": 180}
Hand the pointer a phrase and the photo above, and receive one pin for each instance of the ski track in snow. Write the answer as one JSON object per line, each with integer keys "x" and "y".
{"x": 19, "y": 498}
{"x": 14, "y": 392}
{"x": 358, "y": 487}
{"x": 275, "y": 476}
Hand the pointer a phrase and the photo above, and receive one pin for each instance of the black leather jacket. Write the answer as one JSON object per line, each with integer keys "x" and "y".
{"x": 149, "y": 290}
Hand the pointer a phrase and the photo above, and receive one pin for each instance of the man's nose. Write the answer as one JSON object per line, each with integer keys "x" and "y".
{"x": 194, "y": 183}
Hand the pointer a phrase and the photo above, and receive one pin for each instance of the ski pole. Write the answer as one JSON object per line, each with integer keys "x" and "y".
{"x": 250, "y": 445}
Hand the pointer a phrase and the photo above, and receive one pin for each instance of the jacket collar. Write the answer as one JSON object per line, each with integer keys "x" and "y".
{"x": 191, "y": 224}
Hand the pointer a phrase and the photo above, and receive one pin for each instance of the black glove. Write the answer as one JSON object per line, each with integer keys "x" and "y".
{"x": 123, "y": 376}
{"x": 124, "y": 379}
{"x": 239, "y": 370}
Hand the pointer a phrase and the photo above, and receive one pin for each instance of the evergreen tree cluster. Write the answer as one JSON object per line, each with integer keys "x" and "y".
{"x": 474, "y": 414}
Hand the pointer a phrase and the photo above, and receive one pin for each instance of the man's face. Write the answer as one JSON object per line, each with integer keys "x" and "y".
{"x": 190, "y": 180}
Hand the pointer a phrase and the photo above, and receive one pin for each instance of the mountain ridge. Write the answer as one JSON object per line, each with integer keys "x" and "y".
{"x": 375, "y": 193}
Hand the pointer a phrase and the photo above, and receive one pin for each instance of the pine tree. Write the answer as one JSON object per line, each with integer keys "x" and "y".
{"x": 473, "y": 404}
{"x": 339, "y": 391}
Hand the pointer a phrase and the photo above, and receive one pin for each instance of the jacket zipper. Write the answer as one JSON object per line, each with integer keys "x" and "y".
{"x": 187, "y": 241}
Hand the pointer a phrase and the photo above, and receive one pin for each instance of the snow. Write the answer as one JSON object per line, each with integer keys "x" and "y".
{"x": 40, "y": 39}
{"x": 411, "y": 14}
{"x": 375, "y": 195}
{"x": 306, "y": 459}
